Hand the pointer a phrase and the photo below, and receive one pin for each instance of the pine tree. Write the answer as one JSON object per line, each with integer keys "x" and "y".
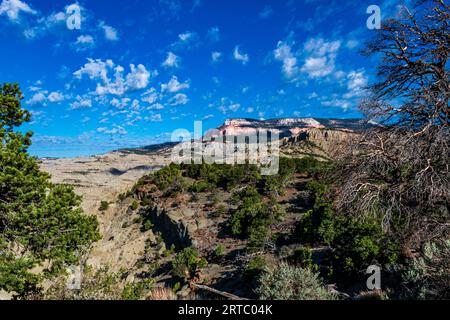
{"x": 42, "y": 226}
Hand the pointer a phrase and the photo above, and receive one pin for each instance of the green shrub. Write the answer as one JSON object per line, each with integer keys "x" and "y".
{"x": 134, "y": 205}
{"x": 253, "y": 218}
{"x": 170, "y": 251}
{"x": 147, "y": 225}
{"x": 136, "y": 290}
{"x": 255, "y": 266}
{"x": 166, "y": 176}
{"x": 219, "y": 252}
{"x": 288, "y": 282}
{"x": 303, "y": 258}
{"x": 427, "y": 276}
{"x": 104, "y": 205}
{"x": 187, "y": 262}
{"x": 200, "y": 186}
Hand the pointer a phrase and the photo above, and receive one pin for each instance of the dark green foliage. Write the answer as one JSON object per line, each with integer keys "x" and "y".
{"x": 39, "y": 221}
{"x": 167, "y": 176}
{"x": 223, "y": 175}
{"x": 104, "y": 205}
{"x": 317, "y": 224}
{"x": 357, "y": 244}
{"x": 219, "y": 252}
{"x": 303, "y": 257}
{"x": 201, "y": 186}
{"x": 147, "y": 225}
{"x": 134, "y": 205}
{"x": 253, "y": 218}
{"x": 255, "y": 266}
{"x": 135, "y": 290}
{"x": 187, "y": 262}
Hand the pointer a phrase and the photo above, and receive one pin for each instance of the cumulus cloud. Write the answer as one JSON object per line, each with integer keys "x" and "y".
{"x": 12, "y": 8}
{"x": 154, "y": 118}
{"x": 178, "y": 99}
{"x": 155, "y": 106}
{"x": 174, "y": 85}
{"x": 227, "y": 106}
{"x": 81, "y": 103}
{"x": 120, "y": 103}
{"x": 55, "y": 97}
{"x": 37, "y": 98}
{"x": 138, "y": 78}
{"x": 283, "y": 53}
{"x": 95, "y": 69}
{"x": 321, "y": 59}
{"x": 172, "y": 61}
{"x": 357, "y": 81}
{"x": 150, "y": 96}
{"x": 109, "y": 32}
{"x": 240, "y": 56}
{"x": 84, "y": 42}
{"x": 186, "y": 40}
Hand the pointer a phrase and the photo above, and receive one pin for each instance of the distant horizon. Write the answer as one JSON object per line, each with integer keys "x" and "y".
{"x": 77, "y": 150}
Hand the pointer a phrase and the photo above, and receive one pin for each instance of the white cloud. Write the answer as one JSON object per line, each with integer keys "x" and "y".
{"x": 321, "y": 59}
{"x": 37, "y": 98}
{"x": 174, "y": 85}
{"x": 208, "y": 116}
{"x": 44, "y": 24}
{"x": 84, "y": 42}
{"x": 150, "y": 96}
{"x": 13, "y": 7}
{"x": 95, "y": 69}
{"x": 186, "y": 40}
{"x": 171, "y": 61}
{"x": 357, "y": 81}
{"x": 240, "y": 56}
{"x": 120, "y": 103}
{"x": 81, "y": 103}
{"x": 138, "y": 78}
{"x": 154, "y": 118}
{"x": 283, "y": 53}
{"x": 55, "y": 97}
{"x": 186, "y": 36}
{"x": 216, "y": 56}
{"x": 85, "y": 39}
{"x": 226, "y": 106}
{"x": 110, "y": 32}
{"x": 156, "y": 106}
{"x": 344, "y": 104}
{"x": 115, "y": 130}
{"x": 178, "y": 99}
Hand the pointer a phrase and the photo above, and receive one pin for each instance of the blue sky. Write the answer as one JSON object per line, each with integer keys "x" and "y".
{"x": 138, "y": 69}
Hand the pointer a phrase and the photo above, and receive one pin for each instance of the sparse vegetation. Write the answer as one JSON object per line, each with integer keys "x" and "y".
{"x": 104, "y": 205}
{"x": 187, "y": 263}
{"x": 286, "y": 282}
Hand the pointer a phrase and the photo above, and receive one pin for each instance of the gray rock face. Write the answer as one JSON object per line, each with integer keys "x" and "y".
{"x": 173, "y": 229}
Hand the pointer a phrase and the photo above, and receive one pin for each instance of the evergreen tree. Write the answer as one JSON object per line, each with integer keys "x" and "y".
{"x": 42, "y": 226}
